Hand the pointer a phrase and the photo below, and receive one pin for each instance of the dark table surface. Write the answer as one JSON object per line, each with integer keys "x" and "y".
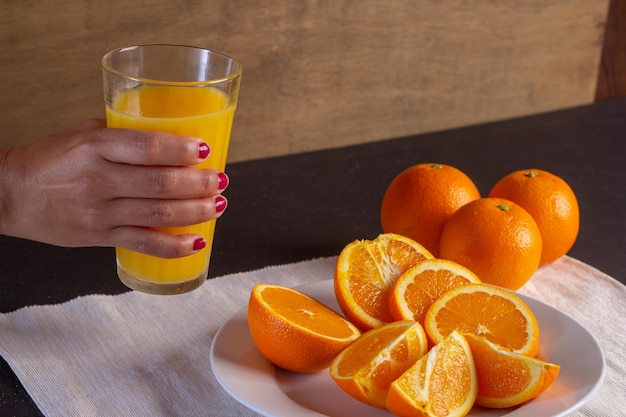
{"x": 308, "y": 205}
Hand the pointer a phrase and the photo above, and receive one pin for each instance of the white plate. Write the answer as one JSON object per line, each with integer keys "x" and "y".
{"x": 273, "y": 392}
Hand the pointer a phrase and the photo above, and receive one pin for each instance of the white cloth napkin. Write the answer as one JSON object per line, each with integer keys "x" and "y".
{"x": 142, "y": 355}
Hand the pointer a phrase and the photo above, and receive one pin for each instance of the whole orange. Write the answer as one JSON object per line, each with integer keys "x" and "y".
{"x": 551, "y": 202}
{"x": 420, "y": 200}
{"x": 494, "y": 238}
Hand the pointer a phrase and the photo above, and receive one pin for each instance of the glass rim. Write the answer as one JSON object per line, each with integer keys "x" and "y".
{"x": 107, "y": 67}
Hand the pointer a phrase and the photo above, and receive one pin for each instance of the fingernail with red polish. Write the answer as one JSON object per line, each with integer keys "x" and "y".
{"x": 203, "y": 150}
{"x": 199, "y": 243}
{"x": 222, "y": 181}
{"x": 220, "y": 204}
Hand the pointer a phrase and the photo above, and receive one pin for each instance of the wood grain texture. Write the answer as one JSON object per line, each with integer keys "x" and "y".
{"x": 317, "y": 73}
{"x": 612, "y": 77}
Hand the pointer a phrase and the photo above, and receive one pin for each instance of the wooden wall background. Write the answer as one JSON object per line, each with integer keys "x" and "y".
{"x": 317, "y": 73}
{"x": 612, "y": 76}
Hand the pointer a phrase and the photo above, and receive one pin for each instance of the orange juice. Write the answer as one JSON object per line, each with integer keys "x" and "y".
{"x": 202, "y": 112}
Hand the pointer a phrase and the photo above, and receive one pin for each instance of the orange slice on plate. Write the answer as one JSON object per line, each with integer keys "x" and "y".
{"x": 485, "y": 310}
{"x": 415, "y": 290}
{"x": 365, "y": 271}
{"x": 441, "y": 383}
{"x": 295, "y": 331}
{"x": 507, "y": 379}
{"x": 367, "y": 367}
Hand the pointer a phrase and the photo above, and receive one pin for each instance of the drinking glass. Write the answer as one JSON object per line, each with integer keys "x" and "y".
{"x": 186, "y": 91}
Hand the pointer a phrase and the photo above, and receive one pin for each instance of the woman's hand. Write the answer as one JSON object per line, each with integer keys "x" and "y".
{"x": 92, "y": 186}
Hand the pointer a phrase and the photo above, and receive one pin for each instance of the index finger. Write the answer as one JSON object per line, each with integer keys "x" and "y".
{"x": 139, "y": 147}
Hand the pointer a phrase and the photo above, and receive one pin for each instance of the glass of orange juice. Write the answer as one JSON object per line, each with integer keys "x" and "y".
{"x": 186, "y": 91}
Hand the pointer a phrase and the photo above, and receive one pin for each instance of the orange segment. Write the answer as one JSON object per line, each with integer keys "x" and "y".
{"x": 485, "y": 310}
{"x": 367, "y": 367}
{"x": 506, "y": 379}
{"x": 365, "y": 271}
{"x": 295, "y": 331}
{"x": 441, "y": 383}
{"x": 415, "y": 290}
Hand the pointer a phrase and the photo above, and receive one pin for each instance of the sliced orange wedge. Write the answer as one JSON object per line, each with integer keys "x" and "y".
{"x": 505, "y": 378}
{"x": 443, "y": 383}
{"x": 415, "y": 290}
{"x": 367, "y": 367}
{"x": 485, "y": 310}
{"x": 365, "y": 271}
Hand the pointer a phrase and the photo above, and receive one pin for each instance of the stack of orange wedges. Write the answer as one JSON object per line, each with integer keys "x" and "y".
{"x": 435, "y": 339}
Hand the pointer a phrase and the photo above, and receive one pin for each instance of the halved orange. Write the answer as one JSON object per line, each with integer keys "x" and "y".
{"x": 485, "y": 310}
{"x": 295, "y": 331}
{"x": 365, "y": 271}
{"x": 505, "y": 378}
{"x": 367, "y": 367}
{"x": 415, "y": 290}
{"x": 442, "y": 383}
